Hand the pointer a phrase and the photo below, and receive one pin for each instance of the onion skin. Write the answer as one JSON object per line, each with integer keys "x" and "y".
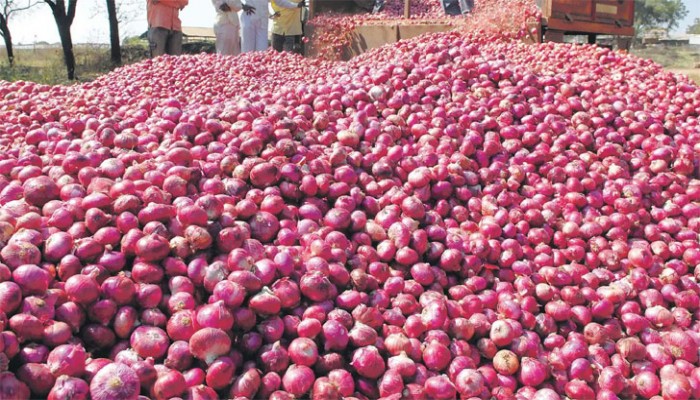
{"x": 209, "y": 343}
{"x": 67, "y": 360}
{"x": 69, "y": 387}
{"x": 114, "y": 381}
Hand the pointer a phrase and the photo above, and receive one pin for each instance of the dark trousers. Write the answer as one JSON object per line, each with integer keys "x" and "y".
{"x": 287, "y": 43}
{"x": 164, "y": 41}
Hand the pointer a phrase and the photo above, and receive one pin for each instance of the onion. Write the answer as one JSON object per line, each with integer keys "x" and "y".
{"x": 37, "y": 377}
{"x": 170, "y": 384}
{"x": 31, "y": 279}
{"x": 67, "y": 387}
{"x": 209, "y": 343}
{"x": 179, "y": 356}
{"x": 367, "y": 362}
{"x": 298, "y": 380}
{"x": 67, "y": 360}
{"x": 247, "y": 384}
{"x": 303, "y": 351}
{"x": 149, "y": 341}
{"x": 82, "y": 289}
{"x": 455, "y": 214}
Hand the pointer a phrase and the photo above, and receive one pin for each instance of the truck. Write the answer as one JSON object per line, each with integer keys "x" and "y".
{"x": 560, "y": 18}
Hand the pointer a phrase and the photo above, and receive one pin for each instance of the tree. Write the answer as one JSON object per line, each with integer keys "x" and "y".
{"x": 694, "y": 29}
{"x": 64, "y": 19}
{"x": 650, "y": 14}
{"x": 7, "y": 8}
{"x": 115, "y": 46}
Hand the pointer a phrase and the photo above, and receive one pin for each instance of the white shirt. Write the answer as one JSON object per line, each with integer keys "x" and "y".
{"x": 261, "y": 9}
{"x": 227, "y": 17}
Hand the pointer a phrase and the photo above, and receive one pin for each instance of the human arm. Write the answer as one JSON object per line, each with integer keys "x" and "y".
{"x": 289, "y": 4}
{"x": 225, "y": 5}
{"x": 171, "y": 3}
{"x": 248, "y": 9}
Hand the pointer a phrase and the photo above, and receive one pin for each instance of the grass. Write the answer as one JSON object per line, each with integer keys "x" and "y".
{"x": 44, "y": 64}
{"x": 681, "y": 59}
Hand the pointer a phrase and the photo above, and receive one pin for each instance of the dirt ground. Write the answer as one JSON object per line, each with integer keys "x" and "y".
{"x": 692, "y": 73}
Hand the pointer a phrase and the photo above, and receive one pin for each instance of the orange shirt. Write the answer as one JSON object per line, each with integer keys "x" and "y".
{"x": 165, "y": 14}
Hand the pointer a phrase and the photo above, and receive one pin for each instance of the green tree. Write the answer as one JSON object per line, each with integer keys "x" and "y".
{"x": 694, "y": 29}
{"x": 650, "y": 14}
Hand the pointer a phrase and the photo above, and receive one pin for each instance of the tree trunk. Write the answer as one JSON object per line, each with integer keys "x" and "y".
{"x": 64, "y": 19}
{"x": 115, "y": 46}
{"x": 67, "y": 44}
{"x": 8, "y": 39}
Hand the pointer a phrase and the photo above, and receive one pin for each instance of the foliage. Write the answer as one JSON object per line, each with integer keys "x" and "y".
{"x": 658, "y": 14}
{"x": 694, "y": 28}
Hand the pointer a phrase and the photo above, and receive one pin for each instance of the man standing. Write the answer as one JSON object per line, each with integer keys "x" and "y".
{"x": 227, "y": 27}
{"x": 164, "y": 26}
{"x": 286, "y": 25}
{"x": 254, "y": 26}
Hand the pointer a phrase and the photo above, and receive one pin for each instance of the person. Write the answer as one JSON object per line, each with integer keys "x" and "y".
{"x": 286, "y": 25}
{"x": 164, "y": 26}
{"x": 254, "y": 26}
{"x": 457, "y": 7}
{"x": 227, "y": 27}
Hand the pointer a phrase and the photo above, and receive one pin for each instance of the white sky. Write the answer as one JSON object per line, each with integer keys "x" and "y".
{"x": 90, "y": 25}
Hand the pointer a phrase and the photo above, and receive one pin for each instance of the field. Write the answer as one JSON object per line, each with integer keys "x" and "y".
{"x": 44, "y": 64}
{"x": 682, "y": 59}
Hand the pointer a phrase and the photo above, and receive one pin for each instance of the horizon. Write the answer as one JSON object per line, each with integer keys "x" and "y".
{"x": 90, "y": 25}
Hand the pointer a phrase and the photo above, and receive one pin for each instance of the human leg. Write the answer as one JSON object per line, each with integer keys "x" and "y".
{"x": 157, "y": 40}
{"x": 261, "y": 39}
{"x": 248, "y": 34}
{"x": 227, "y": 39}
{"x": 175, "y": 43}
{"x": 278, "y": 42}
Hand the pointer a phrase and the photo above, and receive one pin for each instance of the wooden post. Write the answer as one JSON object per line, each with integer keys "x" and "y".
{"x": 407, "y": 8}
{"x": 312, "y": 9}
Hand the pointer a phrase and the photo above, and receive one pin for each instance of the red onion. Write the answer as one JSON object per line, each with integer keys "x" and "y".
{"x": 298, "y": 380}
{"x": 170, "y": 384}
{"x": 179, "y": 356}
{"x": 82, "y": 289}
{"x": 247, "y": 384}
{"x": 37, "y": 377}
{"x": 31, "y": 279}
{"x": 220, "y": 373}
{"x": 68, "y": 360}
{"x": 215, "y": 315}
{"x": 67, "y": 387}
{"x": 209, "y": 343}
{"x": 367, "y": 362}
{"x": 303, "y": 351}
{"x": 450, "y": 214}
{"x": 149, "y": 341}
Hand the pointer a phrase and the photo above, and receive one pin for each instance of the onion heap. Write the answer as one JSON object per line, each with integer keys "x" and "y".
{"x": 452, "y": 216}
{"x": 333, "y": 31}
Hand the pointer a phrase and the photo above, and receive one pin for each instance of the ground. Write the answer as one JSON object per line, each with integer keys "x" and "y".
{"x": 681, "y": 59}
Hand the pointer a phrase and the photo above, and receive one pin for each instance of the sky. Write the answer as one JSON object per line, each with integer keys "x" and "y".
{"x": 90, "y": 24}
